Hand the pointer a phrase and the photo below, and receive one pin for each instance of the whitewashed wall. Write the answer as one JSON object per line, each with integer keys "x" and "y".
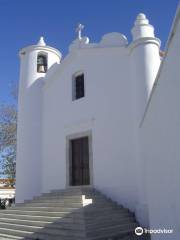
{"x": 116, "y": 93}
{"x": 160, "y": 138}
{"x": 29, "y": 134}
{"x": 106, "y": 110}
{"x": 111, "y": 110}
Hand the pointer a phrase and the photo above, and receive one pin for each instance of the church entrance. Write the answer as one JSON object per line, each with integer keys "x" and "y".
{"x": 79, "y": 161}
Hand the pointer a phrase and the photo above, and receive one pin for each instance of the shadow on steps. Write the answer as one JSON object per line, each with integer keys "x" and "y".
{"x": 57, "y": 216}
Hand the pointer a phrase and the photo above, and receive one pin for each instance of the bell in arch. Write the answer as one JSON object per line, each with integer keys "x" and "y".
{"x": 41, "y": 69}
{"x": 41, "y": 63}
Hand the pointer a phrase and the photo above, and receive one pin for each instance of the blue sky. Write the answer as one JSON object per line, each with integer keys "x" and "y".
{"x": 22, "y": 22}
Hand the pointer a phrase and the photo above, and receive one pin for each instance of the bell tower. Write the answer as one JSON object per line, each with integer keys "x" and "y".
{"x": 145, "y": 61}
{"x": 35, "y": 62}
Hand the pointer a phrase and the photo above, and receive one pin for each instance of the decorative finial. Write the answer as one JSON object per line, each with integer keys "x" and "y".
{"x": 142, "y": 28}
{"x": 141, "y": 16}
{"x": 41, "y": 42}
{"x": 141, "y": 19}
{"x": 79, "y": 29}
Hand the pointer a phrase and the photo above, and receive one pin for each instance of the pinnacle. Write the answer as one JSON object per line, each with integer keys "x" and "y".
{"x": 141, "y": 16}
{"x": 41, "y": 42}
{"x": 141, "y": 19}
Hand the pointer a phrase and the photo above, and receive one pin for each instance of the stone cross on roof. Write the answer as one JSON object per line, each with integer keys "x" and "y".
{"x": 79, "y": 30}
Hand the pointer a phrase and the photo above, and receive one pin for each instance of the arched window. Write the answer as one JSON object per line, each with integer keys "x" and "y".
{"x": 41, "y": 63}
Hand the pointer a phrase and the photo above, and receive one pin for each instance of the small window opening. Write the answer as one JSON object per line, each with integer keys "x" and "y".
{"x": 41, "y": 63}
{"x": 78, "y": 87}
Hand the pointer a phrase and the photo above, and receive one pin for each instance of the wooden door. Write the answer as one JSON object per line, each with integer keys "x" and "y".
{"x": 79, "y": 167}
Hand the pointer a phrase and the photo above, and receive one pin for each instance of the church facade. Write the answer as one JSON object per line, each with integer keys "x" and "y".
{"x": 105, "y": 116}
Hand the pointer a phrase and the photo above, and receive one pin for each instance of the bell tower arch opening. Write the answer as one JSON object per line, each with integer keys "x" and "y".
{"x": 42, "y": 62}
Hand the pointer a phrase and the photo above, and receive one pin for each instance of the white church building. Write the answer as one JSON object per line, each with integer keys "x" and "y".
{"x": 106, "y": 115}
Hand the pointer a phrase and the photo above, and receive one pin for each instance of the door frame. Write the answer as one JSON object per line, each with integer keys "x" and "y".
{"x": 69, "y": 155}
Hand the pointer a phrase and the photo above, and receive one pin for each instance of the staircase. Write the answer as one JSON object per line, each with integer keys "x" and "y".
{"x": 70, "y": 214}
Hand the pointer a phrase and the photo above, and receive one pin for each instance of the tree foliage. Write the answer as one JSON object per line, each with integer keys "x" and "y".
{"x": 8, "y": 137}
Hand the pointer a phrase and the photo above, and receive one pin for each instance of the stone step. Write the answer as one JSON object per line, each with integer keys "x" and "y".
{"x": 49, "y": 204}
{"x": 45, "y": 230}
{"x": 110, "y": 215}
{"x": 67, "y": 225}
{"x": 12, "y": 232}
{"x": 109, "y": 222}
{"x": 8, "y": 237}
{"x": 71, "y": 194}
{"x": 68, "y": 201}
{"x": 90, "y": 218}
{"x": 79, "y": 196}
{"x": 90, "y": 222}
{"x": 44, "y": 208}
{"x": 60, "y": 204}
{"x": 72, "y": 190}
{"x": 108, "y": 230}
{"x": 40, "y": 236}
{"x": 91, "y": 207}
{"x": 74, "y": 194}
{"x": 60, "y": 215}
{"x": 76, "y": 214}
{"x": 41, "y": 213}
{"x": 40, "y": 218}
{"x": 115, "y": 235}
{"x": 55, "y": 224}
{"x": 54, "y": 200}
{"x": 50, "y": 196}
{"x": 64, "y": 213}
